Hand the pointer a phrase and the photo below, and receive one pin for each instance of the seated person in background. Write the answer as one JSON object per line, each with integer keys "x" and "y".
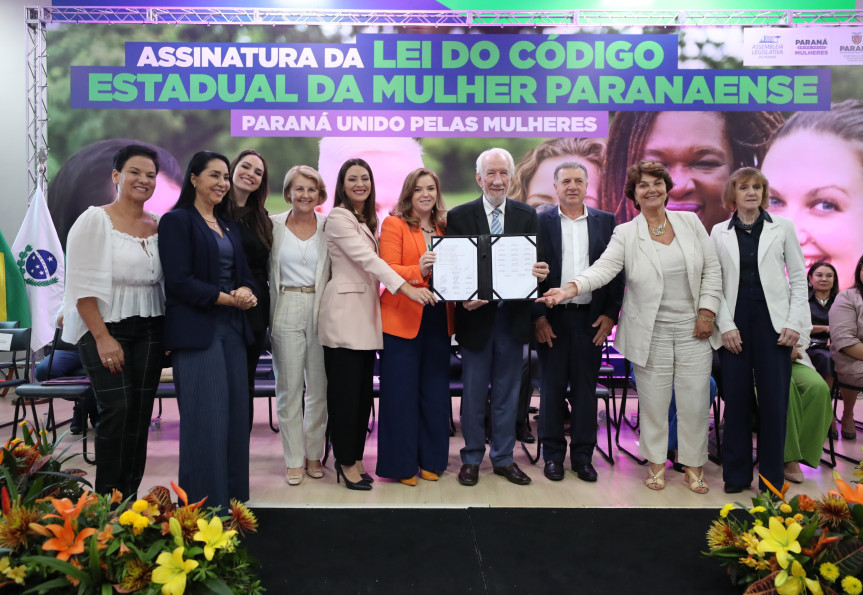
{"x": 809, "y": 414}
{"x": 68, "y": 363}
{"x": 846, "y": 336}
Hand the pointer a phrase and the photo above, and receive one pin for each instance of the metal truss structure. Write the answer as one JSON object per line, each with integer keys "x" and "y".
{"x": 38, "y": 18}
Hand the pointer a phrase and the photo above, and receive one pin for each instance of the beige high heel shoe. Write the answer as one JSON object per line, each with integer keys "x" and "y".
{"x": 314, "y": 469}
{"x": 657, "y": 479}
{"x": 696, "y": 482}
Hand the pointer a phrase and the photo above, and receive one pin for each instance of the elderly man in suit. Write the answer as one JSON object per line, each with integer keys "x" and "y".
{"x": 570, "y": 335}
{"x": 492, "y": 335}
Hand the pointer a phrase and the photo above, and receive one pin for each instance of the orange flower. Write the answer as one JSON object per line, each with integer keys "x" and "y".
{"x": 805, "y": 503}
{"x": 104, "y": 536}
{"x": 67, "y": 510}
{"x": 65, "y": 542}
{"x": 780, "y": 495}
{"x": 116, "y": 497}
{"x": 852, "y": 495}
{"x": 181, "y": 494}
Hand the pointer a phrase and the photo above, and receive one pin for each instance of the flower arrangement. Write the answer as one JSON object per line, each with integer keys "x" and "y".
{"x": 790, "y": 547}
{"x": 55, "y": 541}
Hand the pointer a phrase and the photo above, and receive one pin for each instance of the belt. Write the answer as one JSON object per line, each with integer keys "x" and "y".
{"x": 572, "y": 306}
{"x": 306, "y": 289}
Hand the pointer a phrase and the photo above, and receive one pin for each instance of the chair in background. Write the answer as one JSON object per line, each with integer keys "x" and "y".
{"x": 830, "y": 448}
{"x": 20, "y": 343}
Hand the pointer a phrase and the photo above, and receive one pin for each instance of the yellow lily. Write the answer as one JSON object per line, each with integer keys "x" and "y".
{"x": 213, "y": 536}
{"x": 779, "y": 539}
{"x": 796, "y": 582}
{"x": 171, "y": 571}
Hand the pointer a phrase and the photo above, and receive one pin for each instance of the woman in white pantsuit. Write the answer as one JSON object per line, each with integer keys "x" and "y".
{"x": 299, "y": 270}
{"x": 673, "y": 288}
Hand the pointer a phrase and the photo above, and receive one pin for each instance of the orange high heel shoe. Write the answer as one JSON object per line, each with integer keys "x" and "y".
{"x": 429, "y": 475}
{"x": 409, "y": 481}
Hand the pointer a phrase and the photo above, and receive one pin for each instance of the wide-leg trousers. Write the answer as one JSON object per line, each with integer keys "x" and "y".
{"x": 764, "y": 366}
{"x": 349, "y": 400}
{"x": 413, "y": 427}
{"x": 213, "y": 399}
{"x": 125, "y": 401}
{"x": 681, "y": 362}
{"x": 301, "y": 381}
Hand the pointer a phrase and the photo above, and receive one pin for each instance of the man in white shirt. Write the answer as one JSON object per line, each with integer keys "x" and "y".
{"x": 570, "y": 335}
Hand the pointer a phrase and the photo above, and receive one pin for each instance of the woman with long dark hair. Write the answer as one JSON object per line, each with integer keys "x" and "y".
{"x": 846, "y": 337}
{"x": 244, "y": 204}
{"x": 349, "y": 324}
{"x": 208, "y": 285}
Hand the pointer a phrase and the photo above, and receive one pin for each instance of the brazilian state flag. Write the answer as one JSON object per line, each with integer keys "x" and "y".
{"x": 13, "y": 294}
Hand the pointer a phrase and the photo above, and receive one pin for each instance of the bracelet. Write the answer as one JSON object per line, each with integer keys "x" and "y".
{"x": 711, "y": 320}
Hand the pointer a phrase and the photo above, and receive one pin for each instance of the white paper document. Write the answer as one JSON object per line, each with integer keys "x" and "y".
{"x": 5, "y": 341}
{"x": 513, "y": 258}
{"x": 455, "y": 269}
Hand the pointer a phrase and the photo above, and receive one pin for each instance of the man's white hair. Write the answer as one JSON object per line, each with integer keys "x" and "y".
{"x": 498, "y": 151}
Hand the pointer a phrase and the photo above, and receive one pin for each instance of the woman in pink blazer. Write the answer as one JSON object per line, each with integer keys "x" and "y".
{"x": 349, "y": 323}
{"x": 415, "y": 402}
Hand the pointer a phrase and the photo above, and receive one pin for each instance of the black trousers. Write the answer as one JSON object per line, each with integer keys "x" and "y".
{"x": 349, "y": 400}
{"x": 761, "y": 366}
{"x": 125, "y": 401}
{"x": 253, "y": 354}
{"x": 572, "y": 360}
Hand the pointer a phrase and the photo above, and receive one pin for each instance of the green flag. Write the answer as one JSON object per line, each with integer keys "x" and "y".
{"x": 13, "y": 295}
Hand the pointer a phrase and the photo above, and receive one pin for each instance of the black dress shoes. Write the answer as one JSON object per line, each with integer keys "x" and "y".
{"x": 585, "y": 472}
{"x": 513, "y": 474}
{"x": 526, "y": 437}
{"x": 553, "y": 471}
{"x": 733, "y": 489}
{"x": 468, "y": 475}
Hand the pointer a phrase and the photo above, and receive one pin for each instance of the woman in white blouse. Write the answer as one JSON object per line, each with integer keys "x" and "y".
{"x": 299, "y": 270}
{"x": 114, "y": 310}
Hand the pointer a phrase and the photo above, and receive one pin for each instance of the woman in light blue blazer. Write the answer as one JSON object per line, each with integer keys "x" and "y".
{"x": 762, "y": 314}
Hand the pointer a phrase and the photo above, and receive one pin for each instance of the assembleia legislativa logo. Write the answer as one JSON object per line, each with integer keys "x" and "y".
{"x": 38, "y": 267}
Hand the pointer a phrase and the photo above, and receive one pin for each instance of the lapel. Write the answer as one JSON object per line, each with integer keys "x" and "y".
{"x": 645, "y": 244}
{"x": 418, "y": 239}
{"x": 555, "y": 240}
{"x": 211, "y": 254}
{"x": 685, "y": 237}
{"x": 769, "y": 234}
{"x": 480, "y": 220}
{"x": 510, "y": 218}
{"x": 278, "y": 233}
{"x": 322, "y": 246}
{"x": 594, "y": 250}
{"x": 368, "y": 232}
{"x": 729, "y": 240}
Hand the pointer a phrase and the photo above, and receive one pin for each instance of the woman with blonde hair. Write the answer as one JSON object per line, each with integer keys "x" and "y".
{"x": 299, "y": 270}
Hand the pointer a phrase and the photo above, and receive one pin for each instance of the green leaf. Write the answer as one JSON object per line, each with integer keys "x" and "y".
{"x": 48, "y": 586}
{"x": 728, "y": 551}
{"x": 847, "y": 555}
{"x": 857, "y": 514}
{"x": 59, "y": 565}
{"x": 10, "y": 483}
{"x": 808, "y": 531}
{"x": 217, "y": 586}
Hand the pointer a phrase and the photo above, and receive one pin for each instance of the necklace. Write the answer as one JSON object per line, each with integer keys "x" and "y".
{"x": 432, "y": 230}
{"x": 822, "y": 302}
{"x": 659, "y": 229}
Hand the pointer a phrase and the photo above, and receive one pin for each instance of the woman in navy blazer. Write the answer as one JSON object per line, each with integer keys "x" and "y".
{"x": 763, "y": 311}
{"x": 207, "y": 285}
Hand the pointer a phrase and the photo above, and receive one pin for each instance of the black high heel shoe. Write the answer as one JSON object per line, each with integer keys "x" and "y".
{"x": 351, "y": 485}
{"x": 367, "y": 477}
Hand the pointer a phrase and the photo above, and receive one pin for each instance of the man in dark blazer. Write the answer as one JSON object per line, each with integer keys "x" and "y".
{"x": 492, "y": 335}
{"x": 570, "y": 335}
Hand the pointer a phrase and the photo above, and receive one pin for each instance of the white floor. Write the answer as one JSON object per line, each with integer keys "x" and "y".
{"x": 620, "y": 485}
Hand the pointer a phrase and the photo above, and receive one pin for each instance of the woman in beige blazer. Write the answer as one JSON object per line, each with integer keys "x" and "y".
{"x": 299, "y": 271}
{"x": 673, "y": 287}
{"x": 762, "y": 314}
{"x": 349, "y": 324}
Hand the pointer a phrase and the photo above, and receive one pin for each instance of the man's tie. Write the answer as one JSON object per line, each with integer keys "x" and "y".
{"x": 496, "y": 227}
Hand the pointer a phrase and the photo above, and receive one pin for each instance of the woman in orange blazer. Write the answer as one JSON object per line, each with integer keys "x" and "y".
{"x": 413, "y": 432}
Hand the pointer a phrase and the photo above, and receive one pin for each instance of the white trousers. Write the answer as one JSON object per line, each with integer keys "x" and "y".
{"x": 676, "y": 360}
{"x": 298, "y": 362}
